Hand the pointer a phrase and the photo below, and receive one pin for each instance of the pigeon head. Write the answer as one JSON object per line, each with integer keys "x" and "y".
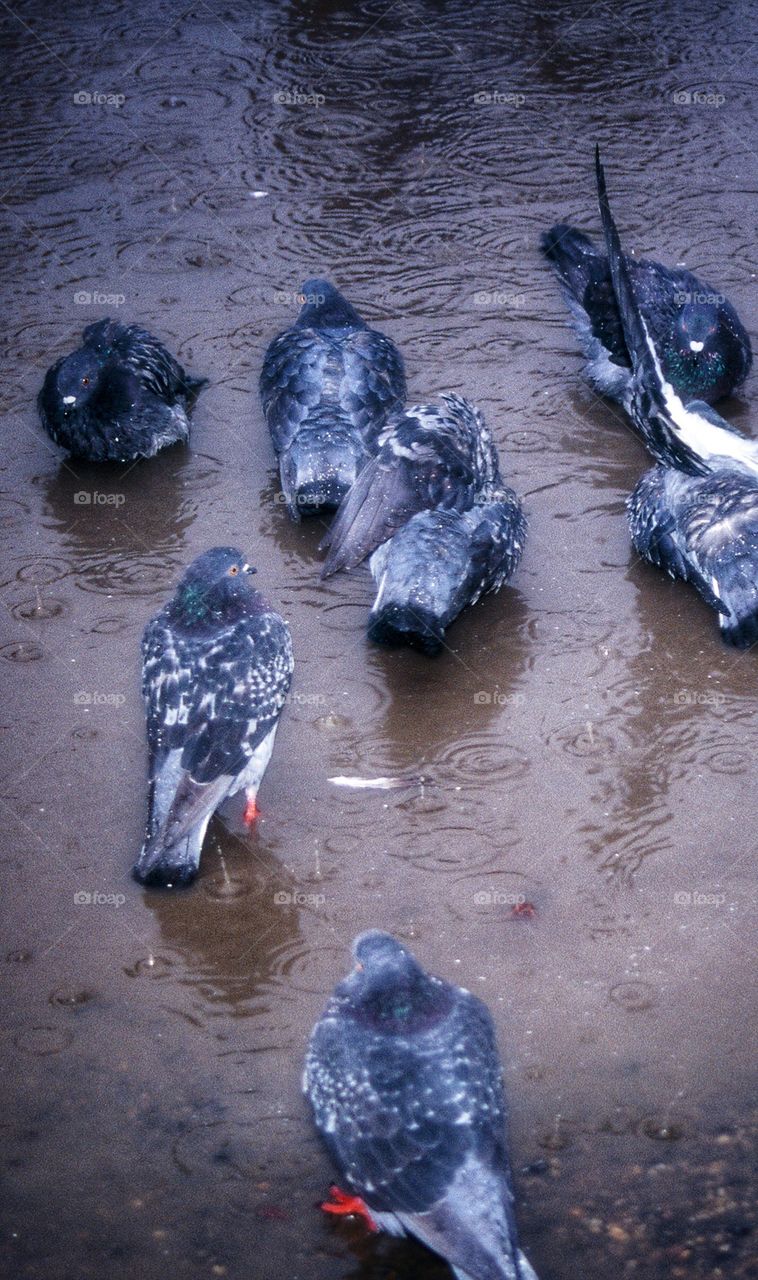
{"x": 697, "y": 323}
{"x": 78, "y": 378}
{"x": 89, "y": 375}
{"x": 323, "y": 307}
{"x": 696, "y": 361}
{"x": 216, "y": 588}
{"x": 389, "y": 991}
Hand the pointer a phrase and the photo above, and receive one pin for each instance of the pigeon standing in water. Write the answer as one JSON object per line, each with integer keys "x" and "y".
{"x": 120, "y": 396}
{"x": 327, "y": 386}
{"x": 696, "y": 513}
{"x": 403, "y": 1075}
{"x": 703, "y": 348}
{"x": 217, "y": 666}
{"x": 430, "y": 458}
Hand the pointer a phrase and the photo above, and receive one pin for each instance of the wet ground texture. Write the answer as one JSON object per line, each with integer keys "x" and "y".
{"x": 586, "y": 743}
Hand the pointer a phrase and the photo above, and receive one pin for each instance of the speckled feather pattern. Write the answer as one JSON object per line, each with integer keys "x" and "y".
{"x": 356, "y": 372}
{"x": 441, "y": 562}
{"x": 214, "y": 697}
{"x": 327, "y": 387}
{"x": 400, "y": 1114}
{"x": 430, "y": 457}
{"x": 704, "y": 530}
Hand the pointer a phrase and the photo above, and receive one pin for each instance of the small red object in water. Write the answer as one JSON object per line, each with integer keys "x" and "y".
{"x": 523, "y": 911}
{"x": 343, "y": 1203}
{"x": 251, "y": 813}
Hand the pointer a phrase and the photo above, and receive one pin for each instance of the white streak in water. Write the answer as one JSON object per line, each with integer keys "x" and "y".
{"x": 375, "y": 784}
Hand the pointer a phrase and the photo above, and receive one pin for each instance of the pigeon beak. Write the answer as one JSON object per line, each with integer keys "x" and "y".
{"x": 359, "y": 968}
{"x": 69, "y": 399}
{"x": 248, "y": 568}
{"x": 696, "y": 346}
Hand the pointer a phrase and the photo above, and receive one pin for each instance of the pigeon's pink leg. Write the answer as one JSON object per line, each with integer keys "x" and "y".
{"x": 251, "y": 811}
{"x": 343, "y": 1203}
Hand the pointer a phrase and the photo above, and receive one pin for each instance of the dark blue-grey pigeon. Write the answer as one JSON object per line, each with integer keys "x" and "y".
{"x": 702, "y": 345}
{"x": 217, "y": 667}
{"x": 404, "y": 1078}
{"x": 327, "y": 387}
{"x": 440, "y": 562}
{"x": 430, "y": 457}
{"x": 696, "y": 514}
{"x": 704, "y": 529}
{"x": 120, "y": 396}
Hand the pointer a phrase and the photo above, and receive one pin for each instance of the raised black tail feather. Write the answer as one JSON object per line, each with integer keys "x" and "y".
{"x": 647, "y": 407}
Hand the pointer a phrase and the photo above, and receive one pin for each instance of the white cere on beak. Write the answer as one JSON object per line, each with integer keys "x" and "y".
{"x": 69, "y": 399}
{"x": 696, "y": 346}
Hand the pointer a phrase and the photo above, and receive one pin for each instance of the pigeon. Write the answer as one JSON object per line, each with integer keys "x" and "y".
{"x": 403, "y": 1075}
{"x": 692, "y": 435}
{"x": 429, "y": 457}
{"x": 327, "y": 387}
{"x": 702, "y": 345}
{"x": 440, "y": 562}
{"x": 704, "y": 529}
{"x": 119, "y": 397}
{"x": 696, "y": 513}
{"x": 217, "y": 666}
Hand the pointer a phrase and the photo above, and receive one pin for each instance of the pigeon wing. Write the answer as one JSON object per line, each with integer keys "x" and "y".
{"x": 412, "y": 1109}
{"x": 421, "y": 465}
{"x": 653, "y": 398}
{"x": 374, "y": 381}
{"x": 291, "y": 381}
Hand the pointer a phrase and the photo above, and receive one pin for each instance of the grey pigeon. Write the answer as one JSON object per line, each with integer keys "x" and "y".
{"x": 327, "y": 387}
{"x": 217, "y": 666}
{"x": 442, "y": 561}
{"x": 403, "y": 1075}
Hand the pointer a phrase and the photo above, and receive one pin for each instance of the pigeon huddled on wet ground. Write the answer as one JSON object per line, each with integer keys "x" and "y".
{"x": 327, "y": 387}
{"x": 121, "y": 395}
{"x": 404, "y": 1078}
{"x": 702, "y": 346}
{"x": 217, "y": 666}
{"x": 434, "y": 515}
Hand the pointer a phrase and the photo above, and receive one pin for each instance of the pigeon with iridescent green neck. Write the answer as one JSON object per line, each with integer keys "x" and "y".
{"x": 404, "y": 1078}
{"x": 217, "y": 666}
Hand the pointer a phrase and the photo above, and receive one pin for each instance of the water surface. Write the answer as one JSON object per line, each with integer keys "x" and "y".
{"x": 587, "y": 743}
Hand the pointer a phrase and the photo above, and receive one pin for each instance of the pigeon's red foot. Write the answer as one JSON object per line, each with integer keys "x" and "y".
{"x": 340, "y": 1202}
{"x": 523, "y": 911}
{"x": 251, "y": 813}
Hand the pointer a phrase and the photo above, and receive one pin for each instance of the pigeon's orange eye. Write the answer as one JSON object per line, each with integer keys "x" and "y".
{"x": 234, "y": 570}
{"x": 85, "y": 382}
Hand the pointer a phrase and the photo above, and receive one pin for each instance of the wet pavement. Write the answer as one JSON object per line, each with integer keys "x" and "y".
{"x": 585, "y": 744}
